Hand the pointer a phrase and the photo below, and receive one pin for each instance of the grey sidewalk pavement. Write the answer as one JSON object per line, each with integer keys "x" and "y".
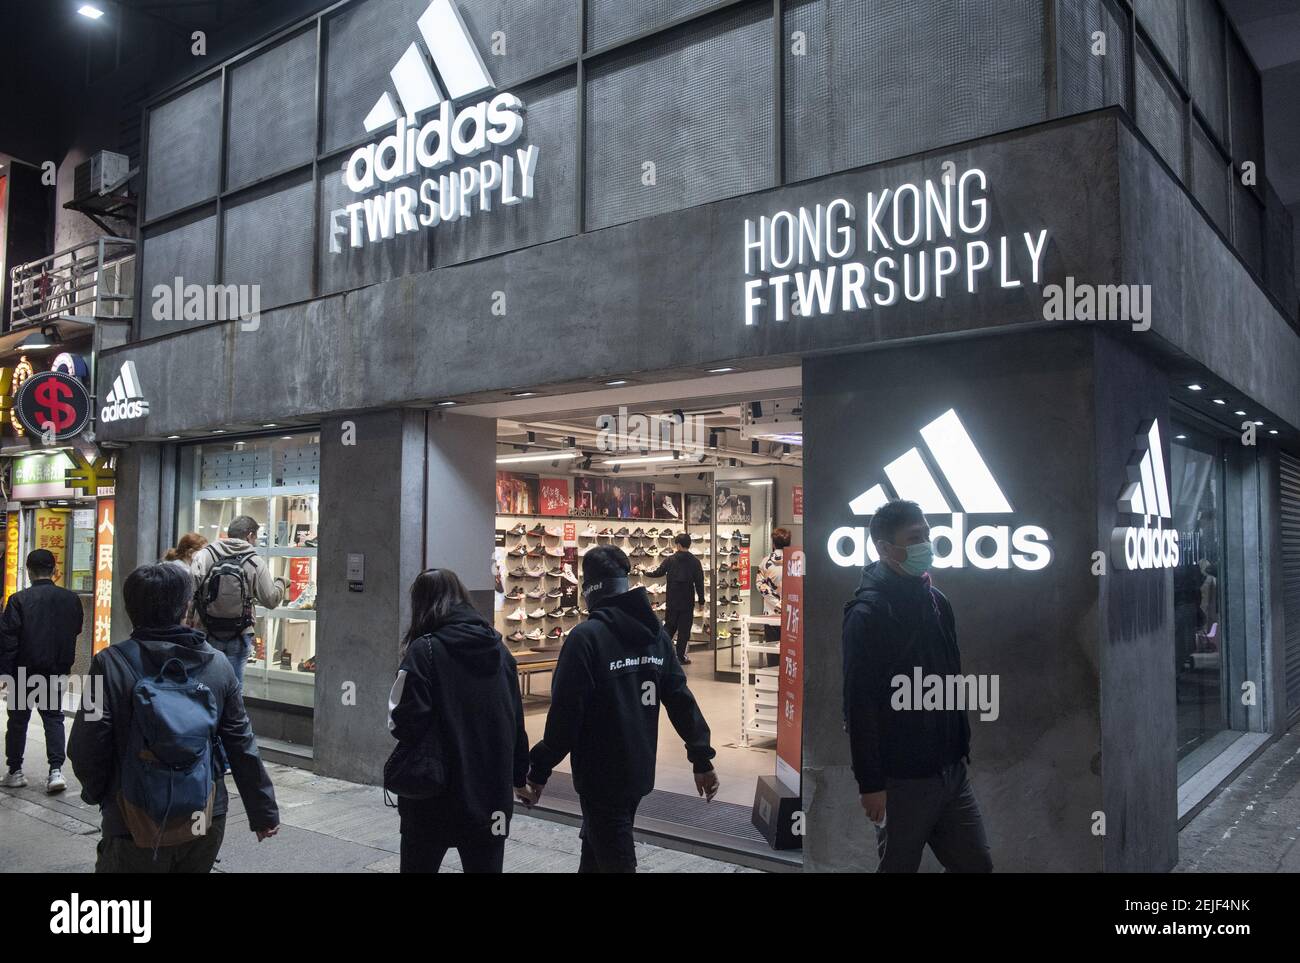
{"x": 326, "y": 826}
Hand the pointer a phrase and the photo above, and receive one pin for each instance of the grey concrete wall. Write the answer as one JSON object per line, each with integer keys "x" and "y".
{"x": 461, "y": 504}
{"x": 1138, "y": 757}
{"x": 1028, "y": 404}
{"x": 137, "y": 512}
{"x": 371, "y": 502}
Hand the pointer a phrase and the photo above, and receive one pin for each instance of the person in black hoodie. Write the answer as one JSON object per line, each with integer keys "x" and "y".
{"x": 910, "y": 765}
{"x": 685, "y": 583}
{"x": 613, "y": 672}
{"x": 457, "y": 675}
{"x": 157, "y": 600}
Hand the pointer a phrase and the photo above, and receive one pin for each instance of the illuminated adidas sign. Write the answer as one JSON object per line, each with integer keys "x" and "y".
{"x": 1146, "y": 493}
{"x": 973, "y": 490}
{"x": 126, "y": 400}
{"x": 445, "y": 137}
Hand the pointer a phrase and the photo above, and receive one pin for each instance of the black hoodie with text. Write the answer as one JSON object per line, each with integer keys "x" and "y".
{"x": 463, "y": 680}
{"x": 614, "y": 671}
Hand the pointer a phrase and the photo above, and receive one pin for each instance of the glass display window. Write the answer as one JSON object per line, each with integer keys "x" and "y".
{"x": 275, "y": 481}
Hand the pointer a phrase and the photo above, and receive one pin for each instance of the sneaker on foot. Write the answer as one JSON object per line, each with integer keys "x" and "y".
{"x": 15, "y": 780}
{"x": 56, "y": 782}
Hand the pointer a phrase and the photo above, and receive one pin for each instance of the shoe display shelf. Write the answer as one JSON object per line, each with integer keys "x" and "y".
{"x": 759, "y": 681}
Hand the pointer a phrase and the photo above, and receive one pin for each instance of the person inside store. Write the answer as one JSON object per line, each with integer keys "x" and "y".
{"x": 685, "y": 583}
{"x": 185, "y": 550}
{"x": 911, "y": 767}
{"x": 229, "y": 578}
{"x": 613, "y": 673}
{"x": 137, "y": 799}
{"x": 456, "y": 699}
{"x": 38, "y": 634}
{"x": 769, "y": 586}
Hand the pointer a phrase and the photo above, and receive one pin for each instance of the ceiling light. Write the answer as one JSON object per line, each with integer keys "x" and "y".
{"x": 1259, "y": 423}
{"x": 522, "y": 394}
{"x": 1242, "y": 413}
{"x": 720, "y": 370}
{"x": 89, "y": 12}
{"x": 538, "y": 456}
{"x": 1193, "y": 387}
{"x": 1219, "y": 401}
{"x": 287, "y": 438}
{"x": 172, "y": 437}
{"x": 447, "y": 404}
{"x": 219, "y": 431}
{"x": 1272, "y": 431}
{"x": 272, "y": 425}
{"x": 1180, "y": 437}
{"x": 639, "y": 460}
{"x": 47, "y": 337}
{"x": 762, "y": 481}
{"x": 616, "y": 383}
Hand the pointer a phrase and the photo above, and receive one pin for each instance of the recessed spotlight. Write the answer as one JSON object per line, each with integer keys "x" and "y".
{"x": 1219, "y": 401}
{"x": 1242, "y": 413}
{"x": 447, "y": 404}
{"x": 1180, "y": 437}
{"x": 1260, "y": 423}
{"x": 272, "y": 425}
{"x": 286, "y": 438}
{"x": 219, "y": 431}
{"x": 172, "y": 437}
{"x": 1193, "y": 387}
{"x": 1272, "y": 431}
{"x": 92, "y": 13}
{"x": 720, "y": 370}
{"x": 522, "y": 394}
{"x": 615, "y": 383}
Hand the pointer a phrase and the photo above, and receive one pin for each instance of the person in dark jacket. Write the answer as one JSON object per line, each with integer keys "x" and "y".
{"x": 38, "y": 634}
{"x": 458, "y": 678}
{"x": 685, "y": 584}
{"x": 910, "y": 766}
{"x": 613, "y": 672}
{"x": 157, "y": 598}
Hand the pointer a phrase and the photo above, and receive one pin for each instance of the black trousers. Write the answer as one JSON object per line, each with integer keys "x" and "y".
{"x": 480, "y": 852}
{"x": 677, "y": 622}
{"x": 16, "y": 737}
{"x": 607, "y": 845}
{"x": 939, "y": 811}
{"x": 118, "y": 854}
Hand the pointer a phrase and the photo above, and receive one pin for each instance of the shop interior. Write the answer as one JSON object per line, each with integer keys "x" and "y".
{"x": 727, "y": 471}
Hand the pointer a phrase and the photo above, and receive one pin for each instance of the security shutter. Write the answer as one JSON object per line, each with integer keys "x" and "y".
{"x": 1290, "y": 478}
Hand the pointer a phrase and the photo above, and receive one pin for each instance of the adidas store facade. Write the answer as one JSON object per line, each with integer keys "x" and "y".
{"x": 697, "y": 217}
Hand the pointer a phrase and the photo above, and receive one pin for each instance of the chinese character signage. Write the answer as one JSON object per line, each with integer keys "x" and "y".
{"x": 797, "y": 496}
{"x": 104, "y": 574}
{"x": 11, "y": 554}
{"x": 789, "y": 700}
{"x": 554, "y": 496}
{"x": 51, "y": 534}
{"x": 42, "y": 476}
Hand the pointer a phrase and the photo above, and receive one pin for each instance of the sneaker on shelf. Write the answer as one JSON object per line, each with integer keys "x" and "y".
{"x": 555, "y": 572}
{"x": 638, "y": 532}
{"x": 605, "y": 532}
{"x": 536, "y": 635}
{"x": 735, "y": 599}
{"x": 737, "y": 534}
{"x": 724, "y": 634}
{"x": 537, "y": 613}
{"x": 536, "y": 593}
{"x": 537, "y": 530}
{"x": 555, "y": 551}
{"x": 556, "y": 633}
{"x": 637, "y": 552}
{"x": 517, "y": 615}
{"x": 556, "y": 613}
{"x": 724, "y": 567}
{"x": 588, "y": 532}
{"x": 55, "y": 783}
{"x": 532, "y": 573}
{"x": 661, "y": 607}
{"x": 666, "y": 552}
{"x": 696, "y": 629}
{"x": 15, "y": 780}
{"x": 517, "y": 636}
{"x": 555, "y": 531}
{"x": 555, "y": 593}
{"x": 621, "y": 533}
{"x": 518, "y": 529}
{"x": 652, "y": 533}
{"x": 666, "y": 533}
{"x": 658, "y": 589}
{"x": 519, "y": 551}
{"x": 515, "y": 594}
{"x": 572, "y": 612}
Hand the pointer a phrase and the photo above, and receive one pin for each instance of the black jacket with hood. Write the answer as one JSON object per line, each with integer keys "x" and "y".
{"x": 685, "y": 580}
{"x": 463, "y": 680}
{"x": 39, "y": 630}
{"x": 893, "y": 624}
{"x": 603, "y": 711}
{"x": 96, "y": 745}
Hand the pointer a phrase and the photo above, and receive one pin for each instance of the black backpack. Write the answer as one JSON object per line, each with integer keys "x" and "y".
{"x": 224, "y": 600}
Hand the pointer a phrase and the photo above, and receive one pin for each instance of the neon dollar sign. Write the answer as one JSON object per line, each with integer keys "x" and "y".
{"x": 56, "y": 411}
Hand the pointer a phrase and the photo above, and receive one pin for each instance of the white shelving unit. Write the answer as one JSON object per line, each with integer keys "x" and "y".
{"x": 758, "y": 684}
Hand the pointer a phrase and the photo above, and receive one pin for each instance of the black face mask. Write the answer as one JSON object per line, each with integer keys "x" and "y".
{"x": 594, "y": 592}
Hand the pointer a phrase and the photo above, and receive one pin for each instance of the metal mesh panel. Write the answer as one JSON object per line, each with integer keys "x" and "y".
{"x": 1163, "y": 20}
{"x": 892, "y": 77}
{"x": 1086, "y": 80}
{"x": 1247, "y": 106}
{"x": 518, "y": 40}
{"x": 362, "y": 44}
{"x": 184, "y": 150}
{"x": 1159, "y": 110}
{"x": 1210, "y": 177}
{"x": 609, "y": 21}
{"x": 697, "y": 105}
{"x": 1248, "y": 213}
{"x": 267, "y": 241}
{"x": 187, "y": 251}
{"x": 550, "y": 123}
{"x": 350, "y": 267}
{"x": 1206, "y": 75}
{"x": 272, "y": 112}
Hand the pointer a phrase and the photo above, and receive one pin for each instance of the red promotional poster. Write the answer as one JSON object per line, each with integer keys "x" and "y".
{"x": 554, "y": 494}
{"x": 742, "y": 563}
{"x": 570, "y": 531}
{"x": 299, "y": 576}
{"x": 789, "y": 701}
{"x": 797, "y": 496}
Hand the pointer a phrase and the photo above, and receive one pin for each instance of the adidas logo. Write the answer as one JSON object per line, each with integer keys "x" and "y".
{"x": 446, "y": 136}
{"x": 126, "y": 400}
{"x": 1146, "y": 493}
{"x": 968, "y": 488}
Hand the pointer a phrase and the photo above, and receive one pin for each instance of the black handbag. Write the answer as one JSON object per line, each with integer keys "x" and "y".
{"x": 416, "y": 770}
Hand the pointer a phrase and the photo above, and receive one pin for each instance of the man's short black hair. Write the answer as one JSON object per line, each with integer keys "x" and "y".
{"x": 605, "y": 561}
{"x": 683, "y": 539}
{"x": 157, "y": 595}
{"x": 892, "y": 516}
{"x": 41, "y": 562}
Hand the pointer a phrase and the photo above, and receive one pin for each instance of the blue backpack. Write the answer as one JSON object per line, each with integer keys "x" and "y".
{"x": 167, "y": 785}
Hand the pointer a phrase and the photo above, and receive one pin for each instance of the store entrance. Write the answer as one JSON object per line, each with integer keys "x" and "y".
{"x": 726, "y": 470}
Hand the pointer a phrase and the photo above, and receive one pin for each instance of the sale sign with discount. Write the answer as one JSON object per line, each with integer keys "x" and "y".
{"x": 789, "y": 699}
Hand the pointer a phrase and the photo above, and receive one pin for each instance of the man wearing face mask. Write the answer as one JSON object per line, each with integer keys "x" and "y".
{"x": 910, "y": 763}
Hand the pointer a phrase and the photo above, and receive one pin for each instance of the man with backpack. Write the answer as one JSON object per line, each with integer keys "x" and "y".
{"x": 146, "y": 750}
{"x": 614, "y": 671}
{"x": 910, "y": 765}
{"x": 229, "y": 578}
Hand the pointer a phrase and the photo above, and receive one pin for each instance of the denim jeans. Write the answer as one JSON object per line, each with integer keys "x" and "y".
{"x": 236, "y": 650}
